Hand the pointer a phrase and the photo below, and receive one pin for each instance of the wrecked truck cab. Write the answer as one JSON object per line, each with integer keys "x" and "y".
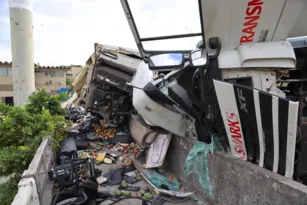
{"x": 151, "y": 100}
{"x": 108, "y": 94}
{"x": 246, "y": 79}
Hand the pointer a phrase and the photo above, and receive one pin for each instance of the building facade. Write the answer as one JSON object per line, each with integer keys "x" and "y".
{"x": 49, "y": 78}
{"x": 73, "y": 72}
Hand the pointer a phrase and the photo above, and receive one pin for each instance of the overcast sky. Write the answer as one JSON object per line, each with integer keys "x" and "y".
{"x": 65, "y": 30}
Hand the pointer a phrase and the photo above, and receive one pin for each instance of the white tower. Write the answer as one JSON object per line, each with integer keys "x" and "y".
{"x": 22, "y": 50}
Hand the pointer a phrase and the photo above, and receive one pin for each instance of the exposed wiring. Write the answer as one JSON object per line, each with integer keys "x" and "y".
{"x": 269, "y": 88}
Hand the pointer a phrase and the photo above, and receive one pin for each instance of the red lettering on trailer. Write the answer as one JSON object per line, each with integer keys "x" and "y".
{"x": 232, "y": 116}
{"x": 236, "y": 135}
{"x": 253, "y": 11}
{"x": 241, "y": 151}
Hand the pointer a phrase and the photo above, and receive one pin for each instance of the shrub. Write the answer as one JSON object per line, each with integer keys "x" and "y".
{"x": 9, "y": 189}
{"x": 63, "y": 96}
{"x": 42, "y": 100}
{"x": 68, "y": 81}
{"x": 21, "y": 132}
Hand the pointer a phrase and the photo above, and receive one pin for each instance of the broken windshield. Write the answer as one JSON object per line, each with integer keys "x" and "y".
{"x": 173, "y": 25}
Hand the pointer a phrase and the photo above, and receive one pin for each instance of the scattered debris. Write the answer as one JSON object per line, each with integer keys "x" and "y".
{"x": 75, "y": 112}
{"x": 110, "y": 157}
{"x": 157, "y": 151}
{"x": 101, "y": 180}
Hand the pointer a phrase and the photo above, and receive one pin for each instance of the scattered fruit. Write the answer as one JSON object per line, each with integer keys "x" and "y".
{"x": 134, "y": 176}
{"x": 148, "y": 196}
{"x": 83, "y": 155}
{"x": 98, "y": 162}
{"x": 117, "y": 192}
{"x": 170, "y": 177}
{"x": 156, "y": 191}
{"x": 107, "y": 161}
{"x": 127, "y": 193}
{"x": 100, "y": 157}
{"x": 104, "y": 132}
{"x": 124, "y": 184}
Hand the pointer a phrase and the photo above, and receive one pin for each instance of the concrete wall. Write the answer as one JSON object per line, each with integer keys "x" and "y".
{"x": 6, "y": 94}
{"x": 6, "y": 80}
{"x": 35, "y": 188}
{"x": 6, "y": 86}
{"x": 73, "y": 72}
{"x": 235, "y": 182}
{"x": 6, "y": 83}
{"x": 43, "y": 81}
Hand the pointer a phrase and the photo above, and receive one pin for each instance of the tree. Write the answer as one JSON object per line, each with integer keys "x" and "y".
{"x": 42, "y": 100}
{"x": 21, "y": 132}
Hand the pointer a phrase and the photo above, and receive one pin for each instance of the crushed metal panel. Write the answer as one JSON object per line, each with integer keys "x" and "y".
{"x": 113, "y": 49}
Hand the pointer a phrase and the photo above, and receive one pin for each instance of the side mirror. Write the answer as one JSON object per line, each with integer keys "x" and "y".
{"x": 199, "y": 58}
{"x": 166, "y": 61}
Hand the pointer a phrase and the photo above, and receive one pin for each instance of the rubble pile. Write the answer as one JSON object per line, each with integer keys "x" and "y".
{"x": 109, "y": 163}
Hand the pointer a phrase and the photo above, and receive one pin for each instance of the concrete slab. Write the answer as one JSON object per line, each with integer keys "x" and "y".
{"x": 35, "y": 184}
{"x": 235, "y": 182}
{"x": 27, "y": 193}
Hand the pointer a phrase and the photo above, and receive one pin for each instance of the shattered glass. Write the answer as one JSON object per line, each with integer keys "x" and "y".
{"x": 157, "y": 179}
{"x": 197, "y": 162}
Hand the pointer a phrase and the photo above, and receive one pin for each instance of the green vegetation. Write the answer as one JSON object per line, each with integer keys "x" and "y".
{"x": 41, "y": 100}
{"x": 68, "y": 81}
{"x": 21, "y": 132}
{"x": 63, "y": 96}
